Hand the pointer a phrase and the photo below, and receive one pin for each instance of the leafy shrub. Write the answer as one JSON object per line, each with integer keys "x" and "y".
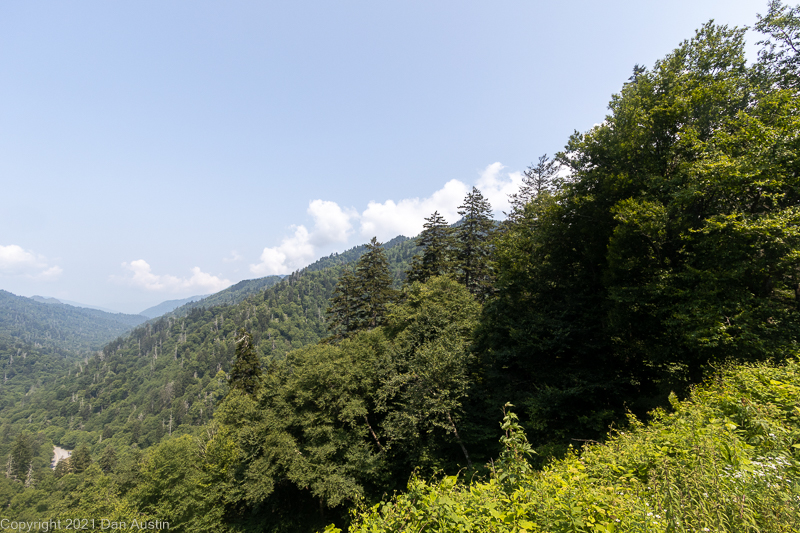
{"x": 725, "y": 460}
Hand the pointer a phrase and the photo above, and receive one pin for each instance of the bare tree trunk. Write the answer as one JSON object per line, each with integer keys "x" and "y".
{"x": 458, "y": 438}
{"x": 374, "y": 436}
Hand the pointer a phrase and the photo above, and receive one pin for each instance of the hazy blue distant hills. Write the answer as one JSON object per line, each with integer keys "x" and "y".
{"x": 61, "y": 326}
{"x": 45, "y": 300}
{"x": 50, "y": 300}
{"x": 169, "y": 305}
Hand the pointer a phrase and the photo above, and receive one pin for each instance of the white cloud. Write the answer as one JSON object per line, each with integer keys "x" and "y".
{"x": 15, "y": 261}
{"x": 331, "y": 222}
{"x": 496, "y": 188}
{"x": 52, "y": 273}
{"x": 233, "y": 257}
{"x": 384, "y": 220}
{"x": 142, "y": 276}
{"x": 406, "y": 217}
{"x": 331, "y": 225}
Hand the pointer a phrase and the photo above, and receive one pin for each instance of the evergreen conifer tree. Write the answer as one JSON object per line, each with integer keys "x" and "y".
{"x": 22, "y": 455}
{"x": 373, "y": 283}
{"x": 108, "y": 461}
{"x": 538, "y": 179}
{"x": 436, "y": 243}
{"x": 62, "y": 468}
{"x": 473, "y": 244}
{"x": 343, "y": 306}
{"x": 246, "y": 372}
{"x": 80, "y": 459}
{"x": 360, "y": 298}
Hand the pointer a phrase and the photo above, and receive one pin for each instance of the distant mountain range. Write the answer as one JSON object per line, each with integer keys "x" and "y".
{"x": 48, "y": 322}
{"x": 50, "y": 300}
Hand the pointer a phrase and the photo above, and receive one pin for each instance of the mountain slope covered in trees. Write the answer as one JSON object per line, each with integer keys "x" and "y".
{"x": 668, "y": 248}
{"x": 61, "y": 326}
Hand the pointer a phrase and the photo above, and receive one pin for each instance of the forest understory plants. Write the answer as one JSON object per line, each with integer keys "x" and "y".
{"x": 727, "y": 459}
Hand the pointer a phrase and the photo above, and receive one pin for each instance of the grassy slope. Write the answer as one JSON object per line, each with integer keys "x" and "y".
{"x": 727, "y": 459}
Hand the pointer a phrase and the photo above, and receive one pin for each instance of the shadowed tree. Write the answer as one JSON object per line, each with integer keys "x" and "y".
{"x": 373, "y": 285}
{"x": 473, "y": 244}
{"x": 360, "y": 299}
{"x": 246, "y": 372}
{"x": 80, "y": 459}
{"x": 343, "y": 307}
{"x": 436, "y": 244}
{"x": 538, "y": 179}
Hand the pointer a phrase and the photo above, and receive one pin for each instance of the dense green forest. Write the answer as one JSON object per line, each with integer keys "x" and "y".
{"x": 61, "y": 326}
{"x": 651, "y": 270}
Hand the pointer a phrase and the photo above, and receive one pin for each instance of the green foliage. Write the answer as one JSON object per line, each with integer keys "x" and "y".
{"x": 164, "y": 377}
{"x": 80, "y": 460}
{"x": 726, "y": 460}
{"x": 373, "y": 286}
{"x": 233, "y": 295}
{"x": 21, "y": 456}
{"x": 671, "y": 247}
{"x": 338, "y": 424}
{"x": 473, "y": 244}
{"x": 437, "y": 249}
{"x": 537, "y": 180}
{"x": 779, "y": 55}
{"x": 60, "y": 327}
{"x": 246, "y": 371}
{"x": 430, "y": 377}
{"x": 310, "y": 437}
{"x": 361, "y": 297}
{"x": 107, "y": 461}
{"x": 512, "y": 465}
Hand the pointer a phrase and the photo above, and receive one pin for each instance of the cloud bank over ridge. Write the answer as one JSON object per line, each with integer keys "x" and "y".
{"x": 141, "y": 275}
{"x": 333, "y": 224}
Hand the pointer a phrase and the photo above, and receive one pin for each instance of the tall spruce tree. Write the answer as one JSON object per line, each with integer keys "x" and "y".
{"x": 246, "y": 372}
{"x": 538, "y": 179}
{"x": 436, "y": 244}
{"x": 374, "y": 286}
{"x": 473, "y": 244}
{"x": 343, "y": 307}
{"x": 80, "y": 460}
{"x": 360, "y": 298}
{"x": 21, "y": 455}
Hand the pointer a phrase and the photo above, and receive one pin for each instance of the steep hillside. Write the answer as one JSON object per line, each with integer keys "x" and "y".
{"x": 163, "y": 377}
{"x": 726, "y": 459}
{"x": 61, "y": 326}
{"x": 399, "y": 251}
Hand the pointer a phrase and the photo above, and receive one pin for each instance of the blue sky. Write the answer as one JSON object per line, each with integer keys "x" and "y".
{"x": 156, "y": 150}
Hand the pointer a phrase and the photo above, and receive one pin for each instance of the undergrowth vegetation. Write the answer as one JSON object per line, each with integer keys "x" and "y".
{"x": 725, "y": 460}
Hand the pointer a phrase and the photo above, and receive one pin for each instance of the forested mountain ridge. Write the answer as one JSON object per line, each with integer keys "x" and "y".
{"x": 230, "y": 296}
{"x": 666, "y": 251}
{"x": 161, "y": 376}
{"x": 61, "y": 326}
{"x": 398, "y": 249}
